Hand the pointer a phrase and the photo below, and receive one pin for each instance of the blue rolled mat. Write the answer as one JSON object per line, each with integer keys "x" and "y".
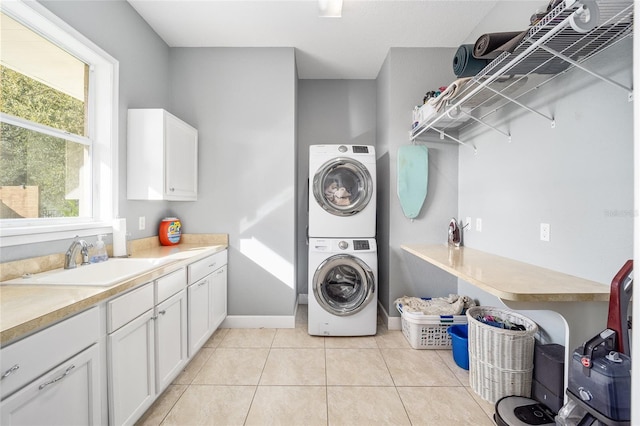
{"x": 464, "y": 64}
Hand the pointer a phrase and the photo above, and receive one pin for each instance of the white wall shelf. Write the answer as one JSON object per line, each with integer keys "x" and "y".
{"x": 564, "y": 39}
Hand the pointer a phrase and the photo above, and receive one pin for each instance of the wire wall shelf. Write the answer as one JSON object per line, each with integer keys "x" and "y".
{"x": 562, "y": 40}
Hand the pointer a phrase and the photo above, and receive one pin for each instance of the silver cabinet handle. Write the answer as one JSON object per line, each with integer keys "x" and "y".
{"x": 57, "y": 379}
{"x": 220, "y": 271}
{"x": 162, "y": 312}
{"x": 10, "y": 371}
{"x": 212, "y": 265}
{"x": 172, "y": 189}
{"x": 203, "y": 283}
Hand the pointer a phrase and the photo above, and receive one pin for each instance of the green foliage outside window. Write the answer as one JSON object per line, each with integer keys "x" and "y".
{"x": 29, "y": 158}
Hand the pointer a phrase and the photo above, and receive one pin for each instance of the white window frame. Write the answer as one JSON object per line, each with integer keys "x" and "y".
{"x": 102, "y": 131}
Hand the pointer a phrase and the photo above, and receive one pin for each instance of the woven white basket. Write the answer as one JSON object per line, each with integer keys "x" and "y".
{"x": 500, "y": 360}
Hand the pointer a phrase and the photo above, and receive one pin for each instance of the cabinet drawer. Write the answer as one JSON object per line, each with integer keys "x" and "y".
{"x": 170, "y": 284}
{"x": 70, "y": 394}
{"x": 204, "y": 267}
{"x": 32, "y": 356}
{"x": 129, "y": 306}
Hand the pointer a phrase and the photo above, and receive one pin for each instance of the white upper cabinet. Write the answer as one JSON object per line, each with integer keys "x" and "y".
{"x": 162, "y": 157}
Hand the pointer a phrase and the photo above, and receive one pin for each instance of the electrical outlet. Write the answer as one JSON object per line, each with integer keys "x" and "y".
{"x": 479, "y": 225}
{"x": 141, "y": 223}
{"x": 545, "y": 231}
{"x": 467, "y": 223}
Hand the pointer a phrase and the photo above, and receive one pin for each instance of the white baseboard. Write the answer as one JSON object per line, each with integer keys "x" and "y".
{"x": 393, "y": 323}
{"x": 263, "y": 321}
{"x": 286, "y": 321}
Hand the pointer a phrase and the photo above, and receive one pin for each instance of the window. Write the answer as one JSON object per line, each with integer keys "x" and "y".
{"x": 58, "y": 118}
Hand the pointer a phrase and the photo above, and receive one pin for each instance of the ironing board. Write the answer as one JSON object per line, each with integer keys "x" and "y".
{"x": 413, "y": 175}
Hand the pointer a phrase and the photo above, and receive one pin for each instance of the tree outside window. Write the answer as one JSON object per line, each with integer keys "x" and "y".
{"x": 44, "y": 149}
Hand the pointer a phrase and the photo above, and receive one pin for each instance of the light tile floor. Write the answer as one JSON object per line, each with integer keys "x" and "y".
{"x": 287, "y": 377}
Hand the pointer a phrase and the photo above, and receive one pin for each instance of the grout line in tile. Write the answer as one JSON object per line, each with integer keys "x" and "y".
{"x": 174, "y": 404}
{"x": 253, "y": 398}
{"x": 449, "y": 367}
{"x": 402, "y": 402}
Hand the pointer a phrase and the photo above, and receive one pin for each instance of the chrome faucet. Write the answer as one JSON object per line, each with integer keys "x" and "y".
{"x": 72, "y": 252}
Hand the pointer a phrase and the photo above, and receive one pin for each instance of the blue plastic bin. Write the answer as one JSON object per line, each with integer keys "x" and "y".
{"x": 460, "y": 345}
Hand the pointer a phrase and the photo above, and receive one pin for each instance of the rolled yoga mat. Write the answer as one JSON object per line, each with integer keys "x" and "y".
{"x": 464, "y": 64}
{"x": 491, "y": 45}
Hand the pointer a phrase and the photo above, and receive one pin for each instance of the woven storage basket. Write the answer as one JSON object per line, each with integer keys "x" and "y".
{"x": 428, "y": 331}
{"x": 500, "y": 360}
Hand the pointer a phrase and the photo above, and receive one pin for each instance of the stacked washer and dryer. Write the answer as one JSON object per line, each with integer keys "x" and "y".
{"x": 343, "y": 260}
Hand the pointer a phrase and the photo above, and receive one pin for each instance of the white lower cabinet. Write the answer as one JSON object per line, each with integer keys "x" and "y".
{"x": 70, "y": 394}
{"x": 147, "y": 345}
{"x": 207, "y": 297}
{"x": 54, "y": 377}
{"x": 69, "y": 373}
{"x": 218, "y": 297}
{"x": 199, "y": 312}
{"x": 171, "y": 339}
{"x": 131, "y": 370}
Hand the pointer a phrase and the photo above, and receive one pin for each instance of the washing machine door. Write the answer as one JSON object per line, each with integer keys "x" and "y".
{"x": 343, "y": 285}
{"x": 343, "y": 186}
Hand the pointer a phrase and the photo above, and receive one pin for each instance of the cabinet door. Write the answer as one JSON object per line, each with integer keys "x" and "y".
{"x": 181, "y": 160}
{"x": 199, "y": 311}
{"x": 219, "y": 297}
{"x": 131, "y": 370}
{"x": 67, "y": 395}
{"x": 171, "y": 339}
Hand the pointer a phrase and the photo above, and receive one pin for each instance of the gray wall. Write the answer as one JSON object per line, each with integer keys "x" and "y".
{"x": 242, "y": 101}
{"x": 577, "y": 177}
{"x": 406, "y": 75}
{"x": 329, "y": 112}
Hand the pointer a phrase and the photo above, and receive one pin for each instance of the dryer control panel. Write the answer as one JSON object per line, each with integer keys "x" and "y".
{"x": 361, "y": 245}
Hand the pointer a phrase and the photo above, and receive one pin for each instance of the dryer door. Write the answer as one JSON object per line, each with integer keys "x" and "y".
{"x": 343, "y": 285}
{"x": 343, "y": 186}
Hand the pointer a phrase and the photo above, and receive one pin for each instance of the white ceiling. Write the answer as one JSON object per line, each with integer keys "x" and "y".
{"x": 351, "y": 47}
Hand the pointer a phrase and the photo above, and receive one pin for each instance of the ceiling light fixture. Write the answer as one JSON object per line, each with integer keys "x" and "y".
{"x": 330, "y": 8}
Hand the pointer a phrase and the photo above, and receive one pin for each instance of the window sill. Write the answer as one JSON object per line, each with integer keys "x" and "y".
{"x": 42, "y": 233}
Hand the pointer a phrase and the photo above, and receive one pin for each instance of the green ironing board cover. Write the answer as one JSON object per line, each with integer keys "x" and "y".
{"x": 413, "y": 176}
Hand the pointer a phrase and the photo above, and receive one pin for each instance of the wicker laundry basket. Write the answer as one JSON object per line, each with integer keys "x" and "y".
{"x": 500, "y": 360}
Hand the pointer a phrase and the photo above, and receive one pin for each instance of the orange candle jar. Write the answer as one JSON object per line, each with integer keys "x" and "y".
{"x": 170, "y": 231}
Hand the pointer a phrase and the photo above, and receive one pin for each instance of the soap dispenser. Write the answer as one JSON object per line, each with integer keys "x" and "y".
{"x": 99, "y": 251}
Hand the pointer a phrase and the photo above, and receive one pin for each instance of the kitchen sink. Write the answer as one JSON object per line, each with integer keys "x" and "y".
{"x": 103, "y": 274}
